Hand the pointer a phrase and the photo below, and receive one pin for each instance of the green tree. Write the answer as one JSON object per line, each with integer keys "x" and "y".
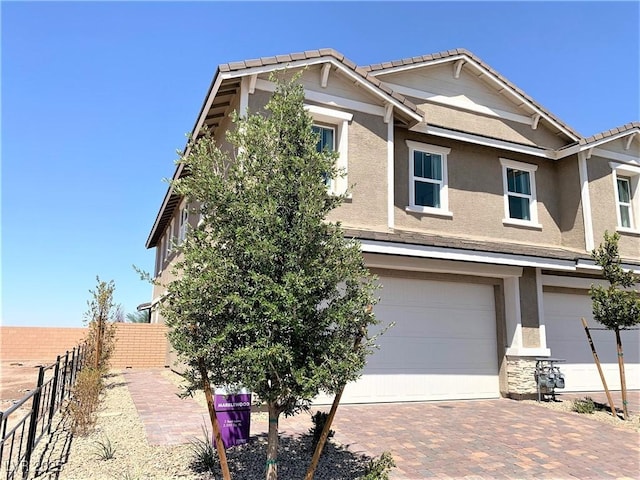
{"x": 269, "y": 295}
{"x": 617, "y": 306}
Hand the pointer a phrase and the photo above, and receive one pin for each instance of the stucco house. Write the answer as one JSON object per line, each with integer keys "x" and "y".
{"x": 475, "y": 206}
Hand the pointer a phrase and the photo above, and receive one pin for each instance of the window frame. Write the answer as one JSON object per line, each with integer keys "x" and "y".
{"x": 183, "y": 224}
{"x": 443, "y": 152}
{"x": 632, "y": 175}
{"x": 339, "y": 121}
{"x": 531, "y": 169}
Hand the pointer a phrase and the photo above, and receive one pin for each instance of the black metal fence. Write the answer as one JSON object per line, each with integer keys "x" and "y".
{"x": 29, "y": 419}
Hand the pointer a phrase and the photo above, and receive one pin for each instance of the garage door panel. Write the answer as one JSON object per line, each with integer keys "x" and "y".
{"x": 567, "y": 339}
{"x": 442, "y": 346}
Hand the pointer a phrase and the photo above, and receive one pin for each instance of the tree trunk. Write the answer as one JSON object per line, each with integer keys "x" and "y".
{"x": 623, "y": 382}
{"x": 226, "y": 475}
{"x": 272, "y": 445}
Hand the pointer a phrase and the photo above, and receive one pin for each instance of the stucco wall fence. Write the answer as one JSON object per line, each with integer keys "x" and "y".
{"x": 138, "y": 345}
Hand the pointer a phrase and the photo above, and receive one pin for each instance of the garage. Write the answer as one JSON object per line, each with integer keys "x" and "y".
{"x": 567, "y": 339}
{"x": 442, "y": 346}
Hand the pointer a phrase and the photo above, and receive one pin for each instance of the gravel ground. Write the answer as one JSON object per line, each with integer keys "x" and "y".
{"x": 79, "y": 458}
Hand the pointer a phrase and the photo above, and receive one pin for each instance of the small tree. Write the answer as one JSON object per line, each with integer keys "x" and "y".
{"x": 101, "y": 315}
{"x": 617, "y": 306}
{"x": 269, "y": 295}
{"x": 138, "y": 317}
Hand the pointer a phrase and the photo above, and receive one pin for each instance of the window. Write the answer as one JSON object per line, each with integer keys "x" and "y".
{"x": 184, "y": 222}
{"x": 333, "y": 127}
{"x": 325, "y": 142}
{"x": 519, "y": 193}
{"x": 625, "y": 181}
{"x": 428, "y": 188}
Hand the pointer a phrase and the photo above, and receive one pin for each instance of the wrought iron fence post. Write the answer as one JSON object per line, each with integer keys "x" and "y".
{"x": 33, "y": 424}
{"x": 64, "y": 376}
{"x": 54, "y": 393}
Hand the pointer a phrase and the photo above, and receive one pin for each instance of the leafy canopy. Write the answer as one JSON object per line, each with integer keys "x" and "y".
{"x": 268, "y": 293}
{"x": 618, "y": 305}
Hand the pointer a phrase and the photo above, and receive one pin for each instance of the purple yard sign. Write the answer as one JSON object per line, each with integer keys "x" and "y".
{"x": 234, "y": 416}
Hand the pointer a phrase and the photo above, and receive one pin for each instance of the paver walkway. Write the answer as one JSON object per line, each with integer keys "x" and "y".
{"x": 483, "y": 439}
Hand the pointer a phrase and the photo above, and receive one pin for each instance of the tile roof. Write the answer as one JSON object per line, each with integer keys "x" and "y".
{"x": 315, "y": 54}
{"x": 627, "y": 127}
{"x": 380, "y": 67}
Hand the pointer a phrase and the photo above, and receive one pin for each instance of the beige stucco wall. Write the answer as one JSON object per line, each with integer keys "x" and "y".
{"x": 570, "y": 203}
{"x": 603, "y": 207}
{"x": 476, "y": 194}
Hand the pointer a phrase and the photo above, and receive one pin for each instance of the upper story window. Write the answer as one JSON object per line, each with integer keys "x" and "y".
{"x": 183, "y": 225}
{"x": 519, "y": 184}
{"x": 326, "y": 141}
{"x": 625, "y": 180}
{"x": 428, "y": 179}
{"x": 333, "y": 127}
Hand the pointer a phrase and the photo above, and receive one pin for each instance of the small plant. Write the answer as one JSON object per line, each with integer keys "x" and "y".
{"x": 205, "y": 457}
{"x": 104, "y": 450}
{"x": 379, "y": 468}
{"x": 319, "y": 419}
{"x": 84, "y": 401}
{"x": 585, "y": 405}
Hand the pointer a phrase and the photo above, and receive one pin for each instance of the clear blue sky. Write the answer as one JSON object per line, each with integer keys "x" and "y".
{"x": 97, "y": 97}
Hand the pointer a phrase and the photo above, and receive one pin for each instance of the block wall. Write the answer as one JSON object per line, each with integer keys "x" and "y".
{"x": 138, "y": 345}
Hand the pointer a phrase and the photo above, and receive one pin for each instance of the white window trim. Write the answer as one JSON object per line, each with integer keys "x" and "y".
{"x": 340, "y": 121}
{"x": 533, "y": 202}
{"x": 443, "y": 210}
{"x": 633, "y": 173}
{"x": 183, "y": 224}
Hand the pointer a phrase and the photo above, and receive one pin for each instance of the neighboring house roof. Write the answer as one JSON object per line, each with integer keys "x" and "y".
{"x": 458, "y": 53}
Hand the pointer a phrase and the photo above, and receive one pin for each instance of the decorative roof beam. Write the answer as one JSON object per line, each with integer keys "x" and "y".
{"x": 388, "y": 112}
{"x": 252, "y": 83}
{"x": 457, "y": 68}
{"x": 535, "y": 118}
{"x": 627, "y": 143}
{"x": 324, "y": 75}
{"x": 589, "y": 153}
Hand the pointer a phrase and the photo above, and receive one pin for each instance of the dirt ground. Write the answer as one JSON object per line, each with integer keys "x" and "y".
{"x": 17, "y": 379}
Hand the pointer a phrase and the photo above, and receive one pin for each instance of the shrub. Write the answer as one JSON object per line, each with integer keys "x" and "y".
{"x": 205, "y": 457}
{"x": 319, "y": 419}
{"x": 379, "y": 468}
{"x": 585, "y": 405}
{"x": 104, "y": 450}
{"x": 85, "y": 398}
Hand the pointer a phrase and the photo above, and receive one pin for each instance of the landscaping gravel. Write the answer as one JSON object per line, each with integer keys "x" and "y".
{"x": 119, "y": 429}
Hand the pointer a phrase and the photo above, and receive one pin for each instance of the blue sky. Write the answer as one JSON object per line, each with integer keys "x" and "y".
{"x": 97, "y": 97}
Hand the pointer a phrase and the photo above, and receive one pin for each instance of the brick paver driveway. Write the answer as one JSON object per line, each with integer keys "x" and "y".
{"x": 483, "y": 439}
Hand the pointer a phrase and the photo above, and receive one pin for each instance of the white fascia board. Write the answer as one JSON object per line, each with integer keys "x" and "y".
{"x": 444, "y": 253}
{"x": 479, "y": 140}
{"x": 326, "y": 99}
{"x": 413, "y": 66}
{"x": 565, "y": 152}
{"x": 339, "y": 66}
{"x": 591, "y": 267}
{"x": 463, "y": 104}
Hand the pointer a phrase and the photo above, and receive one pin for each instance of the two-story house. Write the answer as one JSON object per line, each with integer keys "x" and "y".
{"x": 476, "y": 207}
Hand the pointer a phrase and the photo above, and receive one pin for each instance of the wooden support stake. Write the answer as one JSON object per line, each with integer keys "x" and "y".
{"x": 226, "y": 475}
{"x": 597, "y": 360}
{"x": 623, "y": 383}
{"x": 311, "y": 471}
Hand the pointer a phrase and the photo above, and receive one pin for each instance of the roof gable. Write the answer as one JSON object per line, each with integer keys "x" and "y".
{"x": 471, "y": 85}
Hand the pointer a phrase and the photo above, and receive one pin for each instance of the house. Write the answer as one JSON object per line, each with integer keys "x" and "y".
{"x": 475, "y": 206}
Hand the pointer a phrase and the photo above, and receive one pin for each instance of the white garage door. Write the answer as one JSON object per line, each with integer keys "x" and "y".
{"x": 567, "y": 339}
{"x": 443, "y": 344}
